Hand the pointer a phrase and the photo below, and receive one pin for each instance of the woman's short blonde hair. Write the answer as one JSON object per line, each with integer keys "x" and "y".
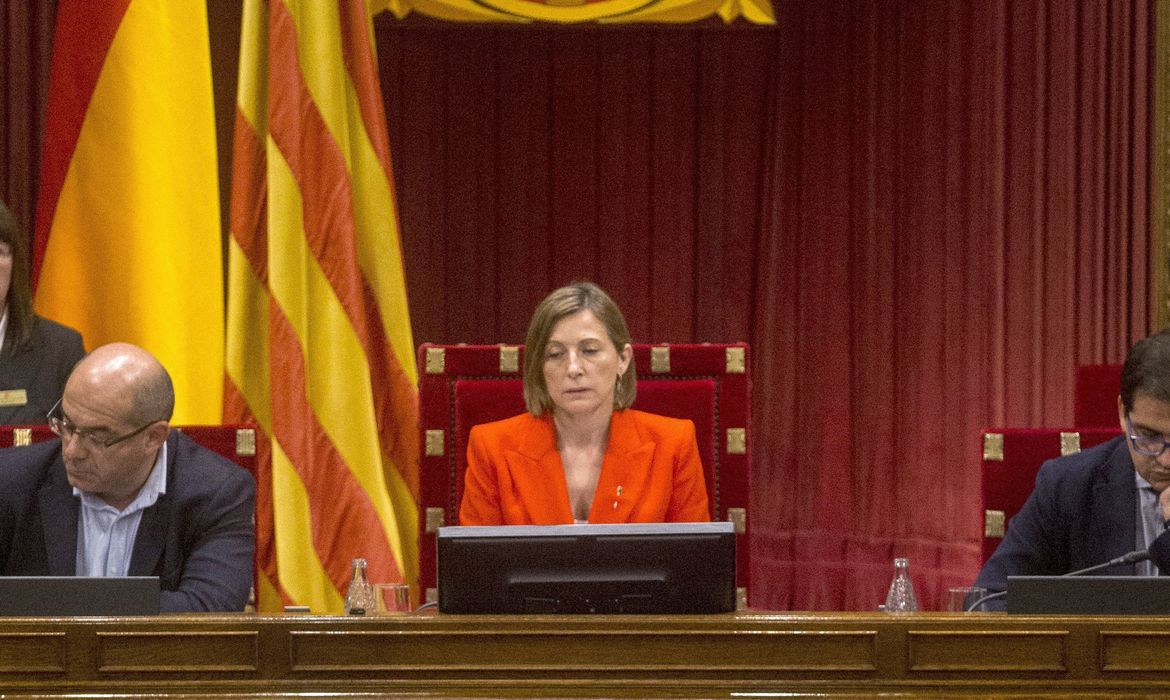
{"x": 566, "y": 301}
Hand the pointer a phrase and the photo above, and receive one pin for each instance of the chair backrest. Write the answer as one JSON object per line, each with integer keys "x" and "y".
{"x": 235, "y": 442}
{"x": 465, "y": 385}
{"x": 1095, "y": 400}
{"x": 1011, "y": 459}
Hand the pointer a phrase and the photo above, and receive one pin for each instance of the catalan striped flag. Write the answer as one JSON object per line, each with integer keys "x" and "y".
{"x": 319, "y": 348}
{"x": 128, "y": 239}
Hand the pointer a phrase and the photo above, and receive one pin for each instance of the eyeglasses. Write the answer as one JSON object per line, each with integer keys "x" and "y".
{"x": 1145, "y": 445}
{"x": 60, "y": 424}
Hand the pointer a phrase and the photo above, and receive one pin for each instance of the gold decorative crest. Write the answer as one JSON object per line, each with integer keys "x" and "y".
{"x": 576, "y": 11}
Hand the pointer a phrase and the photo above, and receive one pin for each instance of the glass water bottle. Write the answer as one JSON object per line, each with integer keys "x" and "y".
{"x": 359, "y": 599}
{"x": 901, "y": 597}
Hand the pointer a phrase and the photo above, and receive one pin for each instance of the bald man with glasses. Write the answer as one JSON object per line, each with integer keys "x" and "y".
{"x": 1096, "y": 505}
{"x": 121, "y": 494}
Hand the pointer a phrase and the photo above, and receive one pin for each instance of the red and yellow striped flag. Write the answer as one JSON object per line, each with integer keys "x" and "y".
{"x": 319, "y": 349}
{"x": 128, "y": 243}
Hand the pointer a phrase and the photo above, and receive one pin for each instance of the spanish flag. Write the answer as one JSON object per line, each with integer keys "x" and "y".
{"x": 319, "y": 348}
{"x": 128, "y": 240}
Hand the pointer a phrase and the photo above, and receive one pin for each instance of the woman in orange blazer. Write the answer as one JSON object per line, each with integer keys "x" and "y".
{"x": 580, "y": 454}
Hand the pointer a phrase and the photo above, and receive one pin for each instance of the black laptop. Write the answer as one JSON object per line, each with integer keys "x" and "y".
{"x": 54, "y": 596}
{"x": 1089, "y": 595}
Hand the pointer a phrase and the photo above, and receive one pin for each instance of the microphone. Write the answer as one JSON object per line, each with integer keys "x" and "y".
{"x": 1128, "y": 558}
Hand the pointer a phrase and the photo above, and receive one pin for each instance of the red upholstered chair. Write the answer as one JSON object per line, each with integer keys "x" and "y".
{"x": 236, "y": 442}
{"x": 1095, "y": 401}
{"x": 1011, "y": 458}
{"x": 465, "y": 385}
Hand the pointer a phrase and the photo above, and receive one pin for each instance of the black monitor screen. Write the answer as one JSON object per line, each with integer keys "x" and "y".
{"x": 626, "y": 568}
{"x": 79, "y": 595}
{"x": 1088, "y": 595}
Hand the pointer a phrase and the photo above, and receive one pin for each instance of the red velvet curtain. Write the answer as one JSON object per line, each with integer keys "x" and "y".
{"x": 525, "y": 158}
{"x": 26, "y": 43}
{"x": 921, "y": 215}
{"x": 960, "y": 220}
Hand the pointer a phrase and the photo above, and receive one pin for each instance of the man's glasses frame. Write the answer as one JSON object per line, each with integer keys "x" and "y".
{"x": 1143, "y": 444}
{"x": 63, "y": 428}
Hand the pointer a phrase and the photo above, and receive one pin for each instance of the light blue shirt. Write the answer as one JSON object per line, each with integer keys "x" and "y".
{"x": 105, "y": 535}
{"x": 1149, "y": 522}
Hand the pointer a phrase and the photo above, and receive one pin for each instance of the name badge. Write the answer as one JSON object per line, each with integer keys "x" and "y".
{"x": 13, "y": 397}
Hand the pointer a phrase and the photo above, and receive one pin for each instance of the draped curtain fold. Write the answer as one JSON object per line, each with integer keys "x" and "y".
{"x": 921, "y": 215}
{"x": 26, "y": 46}
{"x": 961, "y": 220}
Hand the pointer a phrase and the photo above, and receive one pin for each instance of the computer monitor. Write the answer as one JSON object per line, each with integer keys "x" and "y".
{"x": 622, "y": 568}
{"x": 1089, "y": 595}
{"x": 53, "y": 596}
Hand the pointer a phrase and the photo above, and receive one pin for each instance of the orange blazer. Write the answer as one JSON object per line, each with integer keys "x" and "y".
{"x": 650, "y": 473}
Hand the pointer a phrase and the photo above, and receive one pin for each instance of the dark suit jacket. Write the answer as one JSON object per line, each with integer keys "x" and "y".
{"x": 1081, "y": 513}
{"x": 40, "y": 368}
{"x": 651, "y": 473}
{"x": 198, "y": 538}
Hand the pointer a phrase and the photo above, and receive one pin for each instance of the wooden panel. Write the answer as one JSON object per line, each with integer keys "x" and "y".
{"x": 169, "y": 652}
{"x": 1028, "y": 651}
{"x": 36, "y": 652}
{"x": 922, "y": 655}
{"x": 584, "y": 650}
{"x": 1135, "y": 651}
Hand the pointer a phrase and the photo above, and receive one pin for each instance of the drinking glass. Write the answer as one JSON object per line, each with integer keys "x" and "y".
{"x": 960, "y": 599}
{"x": 392, "y": 598}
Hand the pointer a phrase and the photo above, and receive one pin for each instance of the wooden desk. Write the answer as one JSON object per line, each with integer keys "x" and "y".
{"x": 823, "y": 654}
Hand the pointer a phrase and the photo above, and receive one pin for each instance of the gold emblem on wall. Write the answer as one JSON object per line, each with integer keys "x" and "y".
{"x": 575, "y": 11}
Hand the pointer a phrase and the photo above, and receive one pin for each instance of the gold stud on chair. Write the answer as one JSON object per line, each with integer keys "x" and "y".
{"x": 660, "y": 360}
{"x": 735, "y": 363}
{"x": 436, "y": 517}
{"x": 436, "y": 360}
{"x": 993, "y": 523}
{"x": 736, "y": 441}
{"x": 436, "y": 444}
{"x": 509, "y": 359}
{"x": 246, "y": 442}
{"x": 739, "y": 517}
{"x": 993, "y": 447}
{"x": 1070, "y": 444}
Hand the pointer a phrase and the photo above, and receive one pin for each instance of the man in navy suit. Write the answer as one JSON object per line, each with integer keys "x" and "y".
{"x": 1096, "y": 505}
{"x": 120, "y": 494}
